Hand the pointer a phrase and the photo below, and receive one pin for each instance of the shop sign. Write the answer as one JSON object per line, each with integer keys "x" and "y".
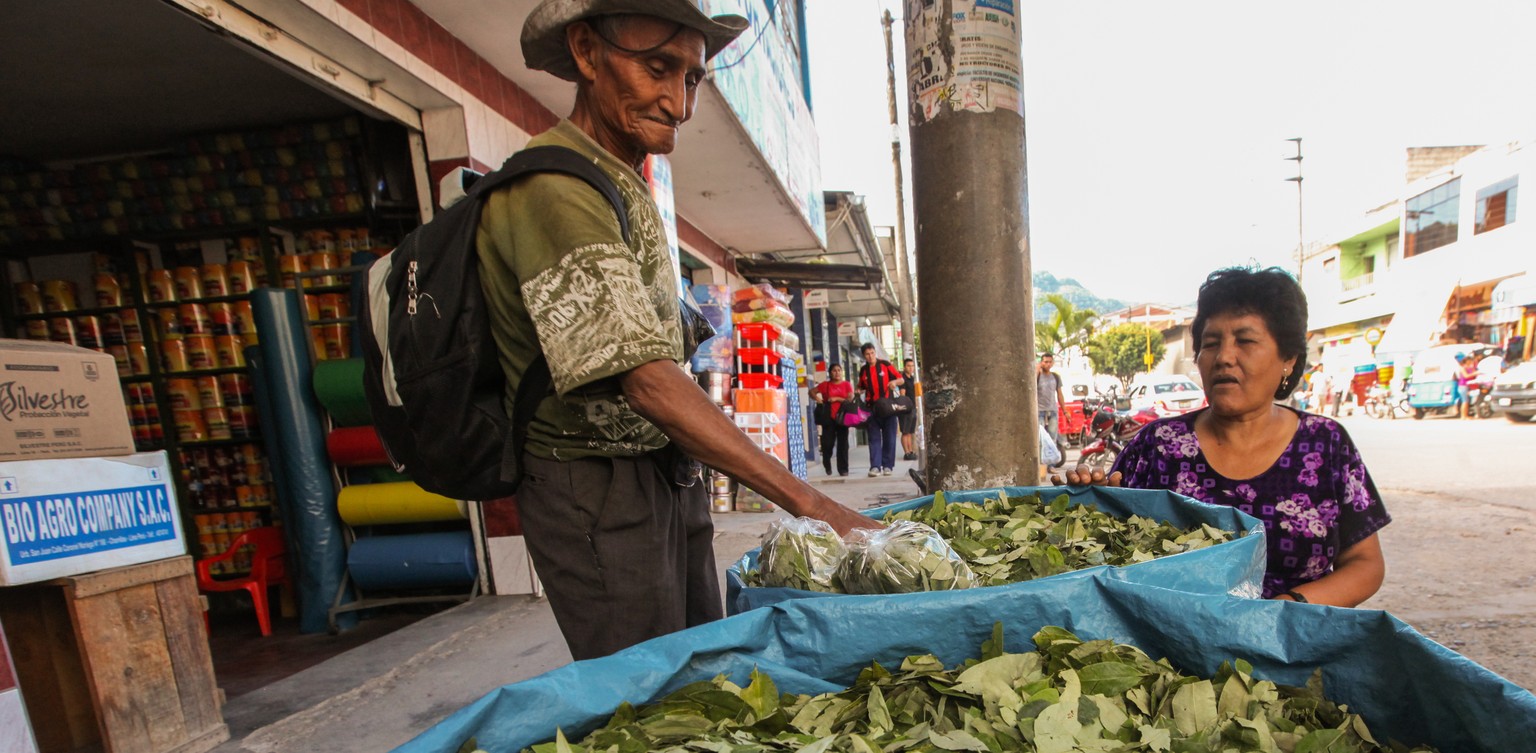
{"x": 846, "y": 329}
{"x": 817, "y": 299}
{"x": 1373, "y": 335}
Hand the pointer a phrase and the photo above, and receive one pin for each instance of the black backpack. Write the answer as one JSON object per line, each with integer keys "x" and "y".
{"x": 432, "y": 377}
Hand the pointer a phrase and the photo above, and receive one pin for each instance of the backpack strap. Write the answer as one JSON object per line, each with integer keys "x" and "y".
{"x": 537, "y": 381}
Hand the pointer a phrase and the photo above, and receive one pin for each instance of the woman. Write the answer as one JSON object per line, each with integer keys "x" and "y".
{"x": 1297, "y": 472}
{"x": 833, "y": 393}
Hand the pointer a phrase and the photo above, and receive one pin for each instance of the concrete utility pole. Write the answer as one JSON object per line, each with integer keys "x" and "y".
{"x": 904, "y": 286}
{"x": 969, "y": 182}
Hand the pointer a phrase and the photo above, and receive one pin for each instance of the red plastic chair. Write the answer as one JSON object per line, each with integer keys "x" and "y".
{"x": 267, "y": 570}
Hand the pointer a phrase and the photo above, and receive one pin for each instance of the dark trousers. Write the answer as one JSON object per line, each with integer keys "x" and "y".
{"x": 834, "y": 436}
{"x": 624, "y": 554}
{"x": 882, "y": 441}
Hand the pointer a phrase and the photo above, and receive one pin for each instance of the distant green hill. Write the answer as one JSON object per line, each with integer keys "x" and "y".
{"x": 1045, "y": 282}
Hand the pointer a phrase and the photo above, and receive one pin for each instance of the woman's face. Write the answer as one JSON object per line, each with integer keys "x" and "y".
{"x": 1240, "y": 363}
{"x": 835, "y": 373}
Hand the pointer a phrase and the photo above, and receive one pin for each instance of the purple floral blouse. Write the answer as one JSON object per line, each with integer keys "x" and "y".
{"x": 1316, "y": 501}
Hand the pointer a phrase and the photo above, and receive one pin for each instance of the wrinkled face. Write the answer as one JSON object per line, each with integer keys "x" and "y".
{"x": 1240, "y": 363}
{"x": 645, "y": 75}
{"x": 836, "y": 373}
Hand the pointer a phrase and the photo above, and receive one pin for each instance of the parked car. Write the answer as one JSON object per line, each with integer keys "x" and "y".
{"x": 1166, "y": 394}
{"x": 1514, "y": 392}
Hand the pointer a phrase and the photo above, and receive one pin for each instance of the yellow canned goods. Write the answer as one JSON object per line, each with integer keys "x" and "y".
{"x": 200, "y": 352}
{"x": 188, "y": 282}
{"x": 29, "y": 298}
{"x": 59, "y": 296}
{"x": 215, "y": 280}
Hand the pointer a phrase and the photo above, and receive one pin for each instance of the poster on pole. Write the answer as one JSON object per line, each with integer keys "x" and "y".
{"x": 978, "y": 71}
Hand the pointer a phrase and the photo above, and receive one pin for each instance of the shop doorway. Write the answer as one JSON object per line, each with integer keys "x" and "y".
{"x": 138, "y": 139}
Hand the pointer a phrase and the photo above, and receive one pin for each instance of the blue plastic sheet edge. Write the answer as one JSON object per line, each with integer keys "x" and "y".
{"x": 1408, "y": 687}
{"x": 1235, "y": 567}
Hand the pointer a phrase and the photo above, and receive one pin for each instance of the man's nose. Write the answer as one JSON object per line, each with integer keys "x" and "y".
{"x": 676, "y": 103}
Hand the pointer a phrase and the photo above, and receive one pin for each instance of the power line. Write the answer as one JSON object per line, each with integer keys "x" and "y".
{"x": 773, "y": 11}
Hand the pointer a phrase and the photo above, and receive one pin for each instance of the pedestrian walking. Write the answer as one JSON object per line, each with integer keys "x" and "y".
{"x": 908, "y": 423}
{"x": 1049, "y": 397}
{"x": 831, "y": 397}
{"x": 877, "y": 378}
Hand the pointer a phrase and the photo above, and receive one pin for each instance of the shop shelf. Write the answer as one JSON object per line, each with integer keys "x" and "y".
{"x": 753, "y": 381}
{"x": 757, "y": 332}
{"x": 759, "y": 356}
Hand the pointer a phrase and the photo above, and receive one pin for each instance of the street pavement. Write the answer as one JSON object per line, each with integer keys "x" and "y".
{"x": 380, "y": 695}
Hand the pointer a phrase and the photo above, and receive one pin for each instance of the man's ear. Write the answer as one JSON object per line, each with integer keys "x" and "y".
{"x": 582, "y": 41}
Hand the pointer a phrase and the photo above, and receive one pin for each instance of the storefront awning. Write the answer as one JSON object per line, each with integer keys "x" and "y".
{"x": 809, "y": 274}
{"x": 1511, "y": 296}
{"x": 1420, "y": 309}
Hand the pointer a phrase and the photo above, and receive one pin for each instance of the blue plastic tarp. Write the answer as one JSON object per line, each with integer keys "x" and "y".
{"x": 1407, "y": 687}
{"x": 1235, "y": 567}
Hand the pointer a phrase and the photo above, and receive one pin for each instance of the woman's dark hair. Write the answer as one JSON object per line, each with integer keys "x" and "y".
{"x": 1271, "y": 294}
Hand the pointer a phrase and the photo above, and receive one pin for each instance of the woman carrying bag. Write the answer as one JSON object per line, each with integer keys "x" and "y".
{"x": 831, "y": 397}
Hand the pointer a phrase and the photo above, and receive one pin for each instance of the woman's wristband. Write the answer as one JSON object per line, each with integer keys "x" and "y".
{"x": 1297, "y": 597}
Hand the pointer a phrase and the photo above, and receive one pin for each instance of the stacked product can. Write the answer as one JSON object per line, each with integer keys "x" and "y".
{"x": 231, "y": 491}
{"x": 712, "y": 364}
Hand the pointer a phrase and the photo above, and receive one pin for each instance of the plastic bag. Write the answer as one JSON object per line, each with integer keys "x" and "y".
{"x": 760, "y": 290}
{"x": 801, "y": 553}
{"x": 1050, "y": 454}
{"x": 903, "y": 557}
{"x": 774, "y": 313}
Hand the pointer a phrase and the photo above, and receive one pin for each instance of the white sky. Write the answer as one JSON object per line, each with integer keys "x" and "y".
{"x": 1156, "y": 131}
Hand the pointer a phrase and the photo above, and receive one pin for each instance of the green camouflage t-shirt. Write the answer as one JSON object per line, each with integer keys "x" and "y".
{"x": 558, "y": 277}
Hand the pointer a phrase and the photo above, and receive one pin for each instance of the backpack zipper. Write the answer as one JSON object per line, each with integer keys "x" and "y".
{"x": 412, "y": 292}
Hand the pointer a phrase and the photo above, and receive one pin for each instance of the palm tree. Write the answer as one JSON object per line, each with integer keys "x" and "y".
{"x": 1068, "y": 327}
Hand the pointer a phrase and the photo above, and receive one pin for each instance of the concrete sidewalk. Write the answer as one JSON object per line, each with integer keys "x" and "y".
{"x": 382, "y": 694}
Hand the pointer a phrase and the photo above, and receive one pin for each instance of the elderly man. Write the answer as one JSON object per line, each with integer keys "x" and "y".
{"x": 620, "y": 537}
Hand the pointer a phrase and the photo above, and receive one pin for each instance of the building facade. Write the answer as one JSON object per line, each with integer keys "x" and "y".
{"x": 1447, "y": 261}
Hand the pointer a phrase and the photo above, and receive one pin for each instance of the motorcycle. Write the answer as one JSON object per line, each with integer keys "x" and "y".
{"x": 1111, "y": 428}
{"x": 1382, "y": 402}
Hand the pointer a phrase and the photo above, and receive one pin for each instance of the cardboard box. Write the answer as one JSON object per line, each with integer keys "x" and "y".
{"x": 60, "y": 401}
{"x": 77, "y": 515}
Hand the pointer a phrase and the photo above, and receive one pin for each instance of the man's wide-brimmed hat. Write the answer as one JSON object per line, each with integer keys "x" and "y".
{"x": 544, "y": 47}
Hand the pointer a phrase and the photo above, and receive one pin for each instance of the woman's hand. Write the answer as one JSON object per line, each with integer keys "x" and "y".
{"x": 1082, "y": 475}
{"x": 1357, "y": 574}
{"x": 817, "y": 396}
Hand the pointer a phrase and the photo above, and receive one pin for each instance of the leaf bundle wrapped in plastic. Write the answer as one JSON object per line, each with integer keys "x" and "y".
{"x": 903, "y": 557}
{"x": 800, "y": 553}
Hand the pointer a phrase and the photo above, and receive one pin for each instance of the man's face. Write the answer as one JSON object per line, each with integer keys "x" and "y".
{"x": 1046, "y": 363}
{"x": 640, "y": 98}
{"x": 869, "y": 356}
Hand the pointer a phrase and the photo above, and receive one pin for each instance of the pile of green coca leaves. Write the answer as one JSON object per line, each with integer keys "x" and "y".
{"x": 1068, "y": 695}
{"x": 1014, "y": 539}
{"x": 999, "y": 541}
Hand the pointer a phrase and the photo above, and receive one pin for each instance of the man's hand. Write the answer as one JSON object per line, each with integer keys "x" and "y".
{"x": 1082, "y": 475}
{"x": 841, "y": 518}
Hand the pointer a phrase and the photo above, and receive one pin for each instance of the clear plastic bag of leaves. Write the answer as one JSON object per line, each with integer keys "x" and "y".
{"x": 801, "y": 553}
{"x": 904, "y": 557}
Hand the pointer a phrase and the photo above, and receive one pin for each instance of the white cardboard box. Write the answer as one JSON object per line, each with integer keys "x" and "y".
{"x": 69, "y": 516}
